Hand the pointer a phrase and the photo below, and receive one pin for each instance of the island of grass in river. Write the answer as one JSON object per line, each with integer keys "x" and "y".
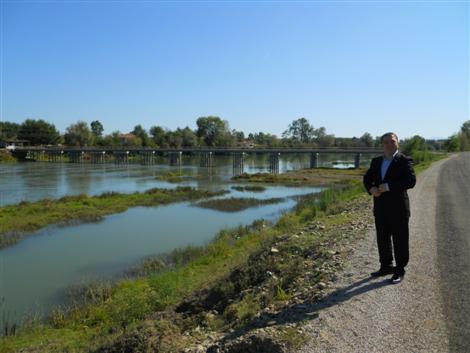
{"x": 17, "y": 220}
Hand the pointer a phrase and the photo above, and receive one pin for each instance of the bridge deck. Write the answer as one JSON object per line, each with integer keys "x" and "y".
{"x": 200, "y": 150}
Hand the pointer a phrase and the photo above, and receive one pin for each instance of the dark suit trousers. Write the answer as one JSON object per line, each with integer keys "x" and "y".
{"x": 391, "y": 229}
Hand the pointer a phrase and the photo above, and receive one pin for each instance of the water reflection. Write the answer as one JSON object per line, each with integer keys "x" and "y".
{"x": 38, "y": 180}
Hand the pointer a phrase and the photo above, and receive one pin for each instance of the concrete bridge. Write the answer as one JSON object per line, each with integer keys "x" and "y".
{"x": 147, "y": 156}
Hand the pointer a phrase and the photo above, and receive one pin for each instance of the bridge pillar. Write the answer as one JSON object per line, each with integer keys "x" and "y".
{"x": 53, "y": 156}
{"x": 314, "y": 157}
{"x": 274, "y": 163}
{"x": 175, "y": 158}
{"x": 38, "y": 155}
{"x": 97, "y": 157}
{"x": 357, "y": 161}
{"x": 238, "y": 159}
{"x": 147, "y": 157}
{"x": 76, "y": 157}
{"x": 30, "y": 155}
{"x": 121, "y": 157}
{"x": 206, "y": 160}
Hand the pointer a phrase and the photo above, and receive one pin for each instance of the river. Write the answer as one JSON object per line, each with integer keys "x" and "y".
{"x": 36, "y": 273}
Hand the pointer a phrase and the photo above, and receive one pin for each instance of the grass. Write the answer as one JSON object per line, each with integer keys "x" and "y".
{"x": 305, "y": 177}
{"x": 431, "y": 158}
{"x": 176, "y": 177}
{"x": 171, "y": 177}
{"x": 235, "y": 204}
{"x": 293, "y": 338}
{"x": 25, "y": 217}
{"x": 6, "y": 157}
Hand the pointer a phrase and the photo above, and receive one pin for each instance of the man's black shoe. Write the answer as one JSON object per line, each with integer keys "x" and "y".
{"x": 397, "y": 278}
{"x": 383, "y": 271}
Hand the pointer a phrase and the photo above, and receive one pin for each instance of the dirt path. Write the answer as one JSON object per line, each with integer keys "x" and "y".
{"x": 370, "y": 315}
{"x": 453, "y": 227}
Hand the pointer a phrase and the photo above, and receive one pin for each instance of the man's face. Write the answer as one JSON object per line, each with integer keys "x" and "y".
{"x": 390, "y": 144}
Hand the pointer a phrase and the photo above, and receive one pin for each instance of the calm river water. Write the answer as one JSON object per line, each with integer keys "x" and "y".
{"x": 35, "y": 274}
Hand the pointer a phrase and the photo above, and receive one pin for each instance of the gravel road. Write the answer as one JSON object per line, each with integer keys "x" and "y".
{"x": 430, "y": 310}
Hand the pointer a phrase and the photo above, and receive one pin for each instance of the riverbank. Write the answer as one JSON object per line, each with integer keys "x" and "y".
{"x": 226, "y": 287}
{"x": 17, "y": 221}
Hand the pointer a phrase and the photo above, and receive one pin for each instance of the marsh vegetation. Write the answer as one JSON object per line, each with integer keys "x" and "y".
{"x": 305, "y": 177}
{"x": 236, "y": 204}
{"x": 249, "y": 188}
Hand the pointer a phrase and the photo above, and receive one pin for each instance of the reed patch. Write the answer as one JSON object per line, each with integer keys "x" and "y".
{"x": 236, "y": 204}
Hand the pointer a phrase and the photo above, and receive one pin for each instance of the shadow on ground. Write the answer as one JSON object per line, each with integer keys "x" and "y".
{"x": 309, "y": 310}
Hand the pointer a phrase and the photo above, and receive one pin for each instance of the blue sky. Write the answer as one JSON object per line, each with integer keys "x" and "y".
{"x": 352, "y": 67}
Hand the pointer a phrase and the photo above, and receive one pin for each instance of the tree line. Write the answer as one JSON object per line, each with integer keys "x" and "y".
{"x": 211, "y": 131}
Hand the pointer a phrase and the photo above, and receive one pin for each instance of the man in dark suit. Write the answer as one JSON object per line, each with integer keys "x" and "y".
{"x": 387, "y": 179}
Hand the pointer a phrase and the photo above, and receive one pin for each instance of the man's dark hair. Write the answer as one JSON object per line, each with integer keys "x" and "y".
{"x": 387, "y": 134}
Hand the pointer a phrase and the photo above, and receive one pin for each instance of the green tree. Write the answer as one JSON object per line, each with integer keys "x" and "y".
{"x": 38, "y": 132}
{"x": 465, "y": 129}
{"x": 263, "y": 139}
{"x": 238, "y": 136}
{"x": 453, "y": 143}
{"x": 78, "y": 134}
{"x": 213, "y": 131}
{"x": 417, "y": 148}
{"x": 159, "y": 136}
{"x": 464, "y": 136}
{"x": 322, "y": 138}
{"x": 189, "y": 137}
{"x": 8, "y": 130}
{"x": 97, "y": 128}
{"x": 416, "y": 143}
{"x": 142, "y": 134}
{"x": 113, "y": 139}
{"x": 175, "y": 138}
{"x": 367, "y": 140}
{"x": 300, "y": 130}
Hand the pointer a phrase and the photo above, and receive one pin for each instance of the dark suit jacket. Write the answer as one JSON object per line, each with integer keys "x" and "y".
{"x": 400, "y": 176}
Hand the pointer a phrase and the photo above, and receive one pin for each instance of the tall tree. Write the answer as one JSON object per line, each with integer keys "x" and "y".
{"x": 465, "y": 129}
{"x": 300, "y": 130}
{"x": 38, "y": 132}
{"x": 453, "y": 143}
{"x": 213, "y": 131}
{"x": 142, "y": 134}
{"x": 175, "y": 138}
{"x": 159, "y": 136}
{"x": 97, "y": 128}
{"x": 113, "y": 139}
{"x": 78, "y": 134}
{"x": 238, "y": 136}
{"x": 367, "y": 140}
{"x": 189, "y": 137}
{"x": 464, "y": 136}
{"x": 322, "y": 138}
{"x": 8, "y": 130}
{"x": 416, "y": 143}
